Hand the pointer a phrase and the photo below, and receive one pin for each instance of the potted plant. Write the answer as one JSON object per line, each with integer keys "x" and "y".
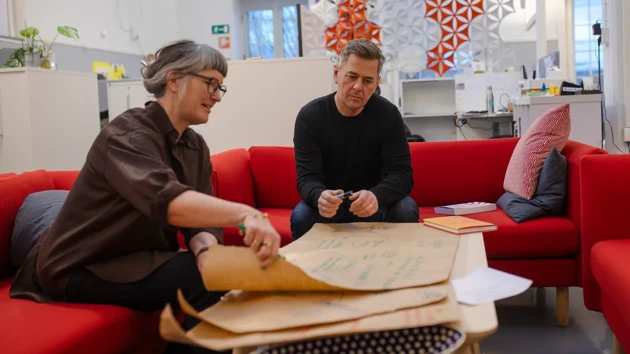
{"x": 48, "y": 56}
{"x": 31, "y": 51}
{"x": 35, "y": 53}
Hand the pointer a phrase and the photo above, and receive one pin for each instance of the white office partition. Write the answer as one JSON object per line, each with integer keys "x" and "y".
{"x": 263, "y": 99}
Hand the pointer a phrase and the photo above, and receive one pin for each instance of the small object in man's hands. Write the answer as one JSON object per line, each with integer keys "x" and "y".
{"x": 344, "y": 195}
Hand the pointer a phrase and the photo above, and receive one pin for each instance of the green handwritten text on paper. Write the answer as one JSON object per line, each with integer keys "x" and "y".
{"x": 415, "y": 263}
{"x": 415, "y": 268}
{"x": 366, "y": 272}
{"x": 332, "y": 243}
{"x": 327, "y": 264}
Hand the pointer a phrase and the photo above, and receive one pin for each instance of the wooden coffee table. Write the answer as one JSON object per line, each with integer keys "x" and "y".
{"x": 478, "y": 321}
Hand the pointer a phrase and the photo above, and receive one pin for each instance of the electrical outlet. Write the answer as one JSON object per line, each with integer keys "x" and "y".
{"x": 626, "y": 134}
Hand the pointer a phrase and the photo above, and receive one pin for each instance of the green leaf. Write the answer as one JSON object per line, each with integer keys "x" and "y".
{"x": 29, "y": 32}
{"x": 68, "y": 31}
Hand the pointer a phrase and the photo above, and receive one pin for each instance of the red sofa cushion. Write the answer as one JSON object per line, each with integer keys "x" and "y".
{"x": 232, "y": 177}
{"x": 538, "y": 238}
{"x": 275, "y": 178}
{"x": 13, "y": 191}
{"x": 30, "y": 327}
{"x": 279, "y": 218}
{"x": 454, "y": 171}
{"x": 63, "y": 179}
{"x": 609, "y": 262}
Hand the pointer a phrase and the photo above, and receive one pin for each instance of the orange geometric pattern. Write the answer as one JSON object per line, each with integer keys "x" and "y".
{"x": 454, "y": 18}
{"x": 351, "y": 24}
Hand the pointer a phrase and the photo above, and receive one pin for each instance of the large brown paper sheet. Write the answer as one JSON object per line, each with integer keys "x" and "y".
{"x": 243, "y": 312}
{"x": 356, "y": 256}
{"x": 206, "y": 335}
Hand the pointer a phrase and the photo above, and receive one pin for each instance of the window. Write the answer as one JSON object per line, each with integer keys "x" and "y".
{"x": 272, "y": 28}
{"x": 290, "y": 40}
{"x": 585, "y": 14}
{"x": 260, "y": 23}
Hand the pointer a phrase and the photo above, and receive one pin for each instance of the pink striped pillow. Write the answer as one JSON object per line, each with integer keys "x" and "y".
{"x": 548, "y": 131}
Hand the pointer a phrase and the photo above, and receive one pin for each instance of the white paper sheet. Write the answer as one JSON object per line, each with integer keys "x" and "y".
{"x": 487, "y": 285}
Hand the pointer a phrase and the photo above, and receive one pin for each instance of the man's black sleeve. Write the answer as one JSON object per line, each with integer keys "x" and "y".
{"x": 308, "y": 157}
{"x": 397, "y": 168}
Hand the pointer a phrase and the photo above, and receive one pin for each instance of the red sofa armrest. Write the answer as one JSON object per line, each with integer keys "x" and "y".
{"x": 574, "y": 152}
{"x": 232, "y": 177}
{"x": 604, "y": 189}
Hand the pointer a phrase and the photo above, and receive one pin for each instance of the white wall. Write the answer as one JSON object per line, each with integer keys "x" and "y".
{"x": 195, "y": 19}
{"x": 513, "y": 28}
{"x": 153, "y": 21}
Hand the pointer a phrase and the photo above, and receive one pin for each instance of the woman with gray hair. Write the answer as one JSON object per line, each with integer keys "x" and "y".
{"x": 146, "y": 179}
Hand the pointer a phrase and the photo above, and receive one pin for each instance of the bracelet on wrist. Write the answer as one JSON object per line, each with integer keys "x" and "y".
{"x": 202, "y": 250}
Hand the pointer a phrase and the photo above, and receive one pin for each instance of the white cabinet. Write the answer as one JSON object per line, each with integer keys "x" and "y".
{"x": 125, "y": 94}
{"x": 585, "y": 111}
{"x": 428, "y": 107}
{"x": 48, "y": 119}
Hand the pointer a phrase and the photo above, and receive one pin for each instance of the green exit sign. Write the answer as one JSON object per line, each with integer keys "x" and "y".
{"x": 220, "y": 29}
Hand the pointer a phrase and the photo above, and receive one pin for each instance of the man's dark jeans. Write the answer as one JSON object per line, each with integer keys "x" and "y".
{"x": 304, "y": 217}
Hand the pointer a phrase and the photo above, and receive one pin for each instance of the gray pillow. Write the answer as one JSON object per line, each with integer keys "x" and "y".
{"x": 550, "y": 196}
{"x": 35, "y": 216}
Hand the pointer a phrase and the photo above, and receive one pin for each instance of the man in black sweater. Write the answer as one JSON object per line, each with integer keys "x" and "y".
{"x": 352, "y": 140}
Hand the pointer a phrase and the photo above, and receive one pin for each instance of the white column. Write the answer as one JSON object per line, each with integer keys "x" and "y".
{"x": 567, "y": 59}
{"x": 541, "y": 29}
{"x": 615, "y": 64}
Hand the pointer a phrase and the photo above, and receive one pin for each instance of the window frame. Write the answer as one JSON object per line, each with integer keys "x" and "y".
{"x": 276, "y": 6}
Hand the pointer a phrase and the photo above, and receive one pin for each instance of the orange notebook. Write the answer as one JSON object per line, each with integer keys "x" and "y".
{"x": 459, "y": 224}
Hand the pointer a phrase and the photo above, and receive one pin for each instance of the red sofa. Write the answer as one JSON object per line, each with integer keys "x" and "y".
{"x": 29, "y": 327}
{"x": 546, "y": 250}
{"x": 606, "y": 241}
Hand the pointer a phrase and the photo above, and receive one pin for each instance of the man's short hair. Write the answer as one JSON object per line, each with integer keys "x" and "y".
{"x": 364, "y": 49}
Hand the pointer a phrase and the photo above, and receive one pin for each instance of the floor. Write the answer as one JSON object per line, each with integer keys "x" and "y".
{"x": 527, "y": 325}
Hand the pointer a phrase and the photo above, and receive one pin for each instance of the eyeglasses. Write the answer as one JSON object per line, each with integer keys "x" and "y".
{"x": 213, "y": 84}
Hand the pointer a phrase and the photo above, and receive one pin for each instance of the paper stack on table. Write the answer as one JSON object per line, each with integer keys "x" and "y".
{"x": 335, "y": 280}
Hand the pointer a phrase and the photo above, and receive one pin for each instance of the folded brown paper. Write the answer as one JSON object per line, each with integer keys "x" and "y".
{"x": 212, "y": 337}
{"x": 243, "y": 312}
{"x": 357, "y": 256}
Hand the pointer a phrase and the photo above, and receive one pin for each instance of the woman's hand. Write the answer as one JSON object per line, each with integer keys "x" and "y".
{"x": 261, "y": 237}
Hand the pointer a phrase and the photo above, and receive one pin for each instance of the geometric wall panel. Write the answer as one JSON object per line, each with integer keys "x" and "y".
{"x": 454, "y": 18}
{"x": 352, "y": 23}
{"x": 312, "y": 28}
{"x": 415, "y": 34}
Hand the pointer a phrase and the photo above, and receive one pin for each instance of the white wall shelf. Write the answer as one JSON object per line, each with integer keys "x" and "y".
{"x": 427, "y": 97}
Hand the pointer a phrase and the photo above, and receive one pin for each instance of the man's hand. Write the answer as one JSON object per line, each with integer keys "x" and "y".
{"x": 262, "y": 238}
{"x": 364, "y": 204}
{"x": 328, "y": 203}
